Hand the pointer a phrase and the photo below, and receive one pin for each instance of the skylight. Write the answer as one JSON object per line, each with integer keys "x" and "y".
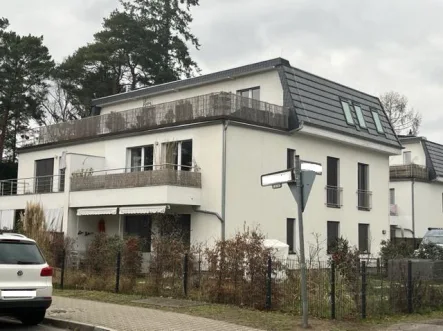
{"x": 347, "y": 111}
{"x": 377, "y": 122}
{"x": 361, "y": 119}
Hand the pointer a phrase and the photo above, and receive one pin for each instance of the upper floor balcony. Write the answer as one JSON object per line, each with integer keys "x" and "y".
{"x": 32, "y": 185}
{"x": 409, "y": 171}
{"x": 220, "y": 105}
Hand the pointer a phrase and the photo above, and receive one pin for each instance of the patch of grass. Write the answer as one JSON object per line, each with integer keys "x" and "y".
{"x": 232, "y": 314}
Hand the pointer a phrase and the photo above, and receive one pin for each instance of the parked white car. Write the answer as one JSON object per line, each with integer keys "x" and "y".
{"x": 25, "y": 279}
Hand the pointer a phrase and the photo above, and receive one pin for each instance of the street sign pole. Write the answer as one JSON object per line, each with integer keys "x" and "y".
{"x": 297, "y": 192}
{"x": 300, "y": 180}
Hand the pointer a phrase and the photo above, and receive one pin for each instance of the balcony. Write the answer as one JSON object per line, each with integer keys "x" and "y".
{"x": 167, "y": 175}
{"x": 34, "y": 185}
{"x": 334, "y": 196}
{"x": 409, "y": 171}
{"x": 364, "y": 198}
{"x": 207, "y": 107}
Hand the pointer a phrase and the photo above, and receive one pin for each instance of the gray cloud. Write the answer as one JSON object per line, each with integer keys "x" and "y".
{"x": 374, "y": 46}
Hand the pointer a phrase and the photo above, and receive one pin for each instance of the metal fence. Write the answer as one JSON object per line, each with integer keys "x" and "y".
{"x": 368, "y": 289}
{"x": 33, "y": 185}
{"x": 198, "y": 108}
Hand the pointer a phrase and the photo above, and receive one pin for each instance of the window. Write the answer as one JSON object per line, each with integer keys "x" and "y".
{"x": 290, "y": 157}
{"x": 61, "y": 183}
{"x": 392, "y": 196}
{"x": 16, "y": 252}
{"x": 251, "y": 93}
{"x": 44, "y": 173}
{"x": 363, "y": 187}
{"x": 140, "y": 226}
{"x": 407, "y": 158}
{"x": 178, "y": 155}
{"x": 347, "y": 111}
{"x": 142, "y": 158}
{"x": 332, "y": 188}
{"x": 290, "y": 237}
{"x": 377, "y": 122}
{"x": 332, "y": 235}
{"x": 361, "y": 119}
{"x": 363, "y": 238}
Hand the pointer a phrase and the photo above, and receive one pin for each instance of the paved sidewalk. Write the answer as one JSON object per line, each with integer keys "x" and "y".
{"x": 432, "y": 325}
{"x": 128, "y": 318}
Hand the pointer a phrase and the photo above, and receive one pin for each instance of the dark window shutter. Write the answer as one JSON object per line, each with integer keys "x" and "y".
{"x": 332, "y": 235}
{"x": 363, "y": 237}
{"x": 290, "y": 158}
{"x": 290, "y": 222}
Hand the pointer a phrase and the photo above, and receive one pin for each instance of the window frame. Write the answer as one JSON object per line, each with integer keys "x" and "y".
{"x": 329, "y": 242}
{"x": 392, "y": 196}
{"x": 360, "y": 116}
{"x": 290, "y": 158}
{"x": 250, "y": 91}
{"x": 348, "y": 115}
{"x": 377, "y": 121}
{"x": 143, "y": 166}
{"x": 367, "y": 233}
{"x": 290, "y": 234}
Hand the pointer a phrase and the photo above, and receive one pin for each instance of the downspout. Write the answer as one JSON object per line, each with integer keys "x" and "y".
{"x": 413, "y": 207}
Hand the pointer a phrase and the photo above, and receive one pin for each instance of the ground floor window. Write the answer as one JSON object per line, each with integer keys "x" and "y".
{"x": 332, "y": 235}
{"x": 177, "y": 227}
{"x": 140, "y": 226}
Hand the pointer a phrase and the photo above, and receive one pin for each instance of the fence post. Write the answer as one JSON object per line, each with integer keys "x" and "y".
{"x": 62, "y": 276}
{"x": 333, "y": 290}
{"x": 117, "y": 278}
{"x": 268, "y": 284}
{"x": 363, "y": 289}
{"x": 378, "y": 266}
{"x": 185, "y": 274}
{"x": 409, "y": 290}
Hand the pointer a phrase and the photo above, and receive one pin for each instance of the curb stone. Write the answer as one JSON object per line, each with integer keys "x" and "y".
{"x": 75, "y": 326}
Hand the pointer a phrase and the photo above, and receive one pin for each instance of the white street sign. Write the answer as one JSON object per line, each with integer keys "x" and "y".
{"x": 311, "y": 166}
{"x": 280, "y": 177}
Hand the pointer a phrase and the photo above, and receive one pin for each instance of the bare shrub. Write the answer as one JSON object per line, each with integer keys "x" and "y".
{"x": 237, "y": 270}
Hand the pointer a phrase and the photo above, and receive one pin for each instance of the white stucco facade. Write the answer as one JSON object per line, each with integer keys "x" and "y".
{"x": 251, "y": 151}
{"x": 419, "y": 203}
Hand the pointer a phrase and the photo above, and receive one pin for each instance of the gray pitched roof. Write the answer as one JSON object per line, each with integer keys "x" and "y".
{"x": 317, "y": 102}
{"x": 186, "y": 83}
{"x": 312, "y": 100}
{"x": 434, "y": 157}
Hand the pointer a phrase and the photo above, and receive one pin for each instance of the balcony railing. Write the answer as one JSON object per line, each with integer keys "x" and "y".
{"x": 409, "y": 171}
{"x": 33, "y": 185}
{"x": 166, "y": 174}
{"x": 364, "y": 198}
{"x": 212, "y": 106}
{"x": 334, "y": 196}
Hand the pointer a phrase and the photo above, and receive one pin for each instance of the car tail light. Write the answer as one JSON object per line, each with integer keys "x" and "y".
{"x": 46, "y": 272}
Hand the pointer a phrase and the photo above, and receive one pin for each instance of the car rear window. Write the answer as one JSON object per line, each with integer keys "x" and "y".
{"x": 16, "y": 252}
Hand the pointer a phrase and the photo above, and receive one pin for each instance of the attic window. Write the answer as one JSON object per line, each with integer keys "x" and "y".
{"x": 361, "y": 119}
{"x": 377, "y": 122}
{"x": 347, "y": 111}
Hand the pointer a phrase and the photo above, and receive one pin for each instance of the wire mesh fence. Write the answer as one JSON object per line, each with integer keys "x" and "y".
{"x": 371, "y": 290}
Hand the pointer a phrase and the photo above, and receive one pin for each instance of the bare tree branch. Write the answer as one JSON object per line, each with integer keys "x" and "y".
{"x": 403, "y": 119}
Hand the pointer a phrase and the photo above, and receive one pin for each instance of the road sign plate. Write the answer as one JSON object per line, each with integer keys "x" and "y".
{"x": 279, "y": 177}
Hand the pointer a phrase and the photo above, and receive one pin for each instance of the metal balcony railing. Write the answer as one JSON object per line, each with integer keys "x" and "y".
{"x": 32, "y": 185}
{"x": 409, "y": 171}
{"x": 364, "y": 198}
{"x": 334, "y": 196}
{"x": 152, "y": 175}
{"x": 221, "y": 105}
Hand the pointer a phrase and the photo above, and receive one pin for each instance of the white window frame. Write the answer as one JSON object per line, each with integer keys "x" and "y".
{"x": 142, "y": 161}
{"x": 249, "y": 90}
{"x": 179, "y": 152}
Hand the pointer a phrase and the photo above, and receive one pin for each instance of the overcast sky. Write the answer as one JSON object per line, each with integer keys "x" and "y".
{"x": 374, "y": 46}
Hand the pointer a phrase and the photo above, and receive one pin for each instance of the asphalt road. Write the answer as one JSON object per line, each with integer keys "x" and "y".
{"x": 9, "y": 324}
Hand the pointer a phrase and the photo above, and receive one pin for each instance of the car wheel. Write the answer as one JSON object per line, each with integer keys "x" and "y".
{"x": 32, "y": 317}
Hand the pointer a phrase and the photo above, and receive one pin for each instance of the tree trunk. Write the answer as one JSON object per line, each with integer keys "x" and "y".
{"x": 3, "y": 127}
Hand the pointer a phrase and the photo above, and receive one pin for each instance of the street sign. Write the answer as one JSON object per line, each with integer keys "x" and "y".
{"x": 279, "y": 177}
{"x": 311, "y": 166}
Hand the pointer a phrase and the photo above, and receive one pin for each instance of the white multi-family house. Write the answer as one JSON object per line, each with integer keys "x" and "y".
{"x": 197, "y": 148}
{"x": 416, "y": 188}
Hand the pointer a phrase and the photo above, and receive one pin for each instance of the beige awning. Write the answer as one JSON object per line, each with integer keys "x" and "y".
{"x": 138, "y": 210}
{"x": 96, "y": 211}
